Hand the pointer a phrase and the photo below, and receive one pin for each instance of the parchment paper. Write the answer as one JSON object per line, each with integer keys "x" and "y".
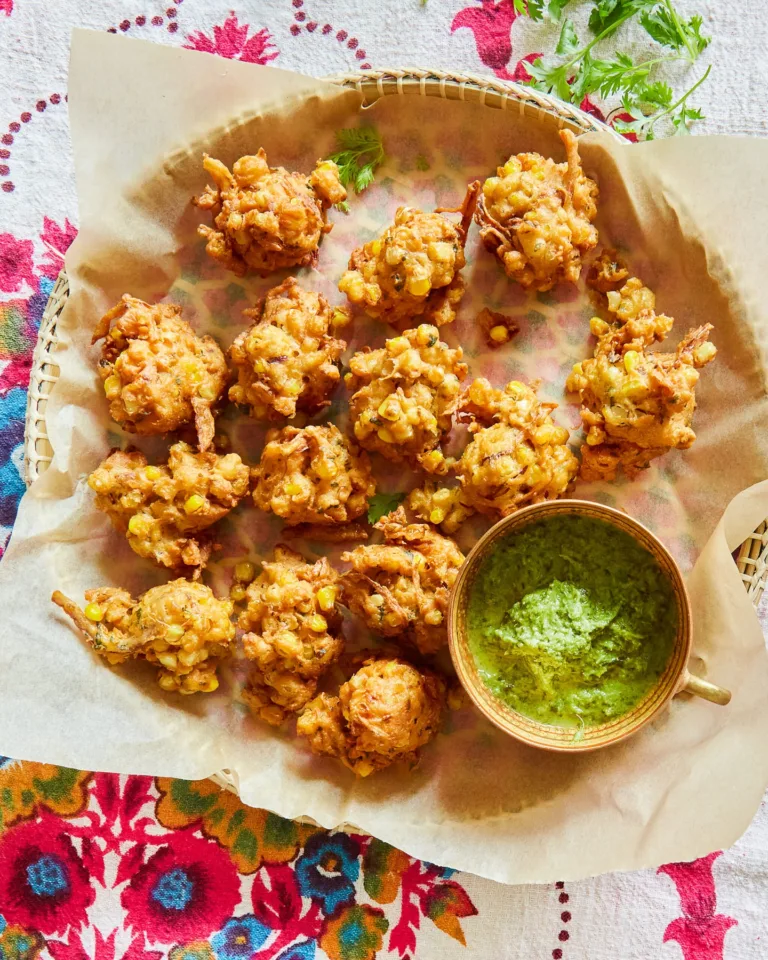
{"x": 689, "y": 213}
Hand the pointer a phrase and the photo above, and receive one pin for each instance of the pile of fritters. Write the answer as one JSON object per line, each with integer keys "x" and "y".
{"x": 537, "y": 217}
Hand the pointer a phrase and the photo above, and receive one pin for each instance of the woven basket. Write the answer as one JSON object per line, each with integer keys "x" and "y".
{"x": 372, "y": 85}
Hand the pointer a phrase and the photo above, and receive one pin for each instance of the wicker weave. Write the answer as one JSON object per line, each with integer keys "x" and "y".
{"x": 372, "y": 85}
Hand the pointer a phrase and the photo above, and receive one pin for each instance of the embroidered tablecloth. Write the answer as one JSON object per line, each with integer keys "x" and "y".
{"x": 99, "y": 867}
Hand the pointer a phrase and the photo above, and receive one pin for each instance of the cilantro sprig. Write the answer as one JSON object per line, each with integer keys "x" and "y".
{"x": 576, "y": 70}
{"x": 381, "y": 504}
{"x": 360, "y": 153}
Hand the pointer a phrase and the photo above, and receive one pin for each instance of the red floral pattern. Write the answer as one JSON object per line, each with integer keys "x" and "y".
{"x": 231, "y": 40}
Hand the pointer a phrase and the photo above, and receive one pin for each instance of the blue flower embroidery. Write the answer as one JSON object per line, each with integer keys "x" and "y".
{"x": 328, "y": 868}
{"x": 239, "y": 937}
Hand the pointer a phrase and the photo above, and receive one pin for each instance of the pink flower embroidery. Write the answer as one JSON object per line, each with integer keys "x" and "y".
{"x": 186, "y": 890}
{"x": 15, "y": 263}
{"x": 43, "y": 883}
{"x": 700, "y": 931}
{"x": 6, "y": 7}
{"x": 230, "y": 40}
{"x": 592, "y": 108}
{"x": 57, "y": 240}
{"x": 521, "y": 73}
{"x": 491, "y": 24}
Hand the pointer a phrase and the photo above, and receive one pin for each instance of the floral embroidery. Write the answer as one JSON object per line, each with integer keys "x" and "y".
{"x": 239, "y": 937}
{"x": 328, "y": 868}
{"x": 186, "y": 890}
{"x": 231, "y": 40}
{"x": 491, "y": 23}
{"x": 17, "y": 944}
{"x": 6, "y": 7}
{"x": 355, "y": 933}
{"x": 252, "y": 836}
{"x": 15, "y": 263}
{"x": 43, "y": 883}
{"x": 26, "y": 787}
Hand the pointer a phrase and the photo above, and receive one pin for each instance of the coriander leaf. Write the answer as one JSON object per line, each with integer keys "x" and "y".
{"x": 665, "y": 27}
{"x": 343, "y": 206}
{"x": 360, "y": 152}
{"x": 529, "y": 8}
{"x": 555, "y": 8}
{"x": 606, "y": 15}
{"x": 656, "y": 94}
{"x": 550, "y": 77}
{"x": 569, "y": 41}
{"x": 382, "y": 504}
{"x": 621, "y": 74}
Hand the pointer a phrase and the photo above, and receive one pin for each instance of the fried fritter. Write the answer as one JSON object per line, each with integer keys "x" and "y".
{"x": 536, "y": 216}
{"x": 162, "y": 510}
{"x": 636, "y": 405}
{"x": 293, "y": 633}
{"x": 180, "y": 626}
{"x": 498, "y": 328}
{"x": 314, "y": 475}
{"x": 265, "y": 218}
{"x": 401, "y": 587}
{"x": 412, "y": 269}
{"x": 608, "y": 272}
{"x": 404, "y": 396}
{"x": 287, "y": 359}
{"x": 383, "y": 714}
{"x": 158, "y": 374}
{"x": 518, "y": 455}
{"x": 441, "y": 506}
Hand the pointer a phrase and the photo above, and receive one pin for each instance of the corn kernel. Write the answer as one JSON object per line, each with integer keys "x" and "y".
{"x": 211, "y": 683}
{"x": 614, "y": 300}
{"x": 704, "y": 353}
{"x": 544, "y": 434}
{"x": 207, "y": 391}
{"x": 317, "y": 623}
{"x": 432, "y": 460}
{"x": 152, "y": 473}
{"x": 364, "y": 768}
{"x": 325, "y": 469}
{"x": 237, "y": 592}
{"x": 260, "y": 366}
{"x": 433, "y": 618}
{"x": 168, "y": 660}
{"x": 385, "y": 435}
{"x": 112, "y": 387}
{"x": 245, "y": 571}
{"x": 94, "y": 612}
{"x": 425, "y": 334}
{"x": 436, "y": 516}
{"x": 139, "y": 525}
{"x": 631, "y": 360}
{"x": 419, "y": 288}
{"x": 376, "y": 247}
{"x": 174, "y": 632}
{"x": 397, "y": 345}
{"x": 167, "y": 682}
{"x": 293, "y": 489}
{"x": 287, "y": 644}
{"x": 388, "y": 410}
{"x": 598, "y": 327}
{"x": 187, "y": 658}
{"x": 499, "y": 334}
{"x": 326, "y": 598}
{"x": 192, "y": 370}
{"x": 339, "y": 317}
{"x": 194, "y": 504}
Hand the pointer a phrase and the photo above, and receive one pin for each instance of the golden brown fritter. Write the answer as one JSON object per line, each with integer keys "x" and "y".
{"x": 293, "y": 633}
{"x": 179, "y": 626}
{"x": 383, "y": 714}
{"x": 287, "y": 359}
{"x": 518, "y": 455}
{"x": 401, "y": 587}
{"x": 636, "y": 405}
{"x": 608, "y": 272}
{"x": 158, "y": 374}
{"x": 265, "y": 218}
{"x": 314, "y": 475}
{"x": 536, "y": 216}
{"x": 441, "y": 506}
{"x": 162, "y": 510}
{"x": 404, "y": 396}
{"x": 412, "y": 269}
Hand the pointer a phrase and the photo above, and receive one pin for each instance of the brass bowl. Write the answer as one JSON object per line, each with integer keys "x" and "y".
{"x": 675, "y": 679}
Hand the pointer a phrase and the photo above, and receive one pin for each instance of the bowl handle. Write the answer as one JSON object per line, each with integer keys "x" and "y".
{"x": 703, "y": 688}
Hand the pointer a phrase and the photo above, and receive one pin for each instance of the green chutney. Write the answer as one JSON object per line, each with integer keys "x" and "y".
{"x": 570, "y": 621}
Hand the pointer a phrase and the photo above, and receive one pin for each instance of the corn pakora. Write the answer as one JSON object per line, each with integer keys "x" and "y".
{"x": 412, "y": 270}
{"x": 287, "y": 359}
{"x": 536, "y": 216}
{"x": 636, "y": 405}
{"x": 158, "y": 374}
{"x": 162, "y": 510}
{"x": 404, "y": 396}
{"x": 314, "y": 475}
{"x": 517, "y": 455}
{"x": 293, "y": 633}
{"x": 179, "y": 626}
{"x": 401, "y": 587}
{"x": 441, "y": 506}
{"x": 383, "y": 714}
{"x": 265, "y": 218}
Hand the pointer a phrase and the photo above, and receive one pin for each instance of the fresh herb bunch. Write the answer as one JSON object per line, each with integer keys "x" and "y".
{"x": 576, "y": 71}
{"x": 360, "y": 153}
